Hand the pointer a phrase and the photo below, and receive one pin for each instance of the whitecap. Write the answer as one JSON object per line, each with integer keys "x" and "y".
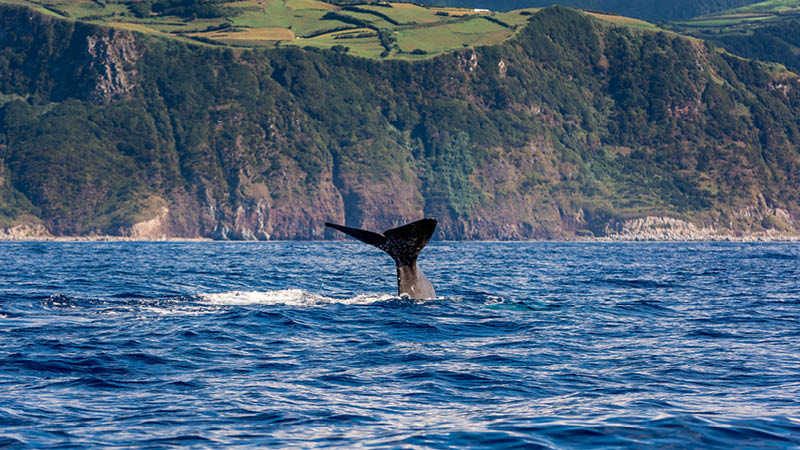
{"x": 290, "y": 297}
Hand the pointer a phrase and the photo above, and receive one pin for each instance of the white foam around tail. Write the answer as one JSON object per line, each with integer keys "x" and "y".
{"x": 292, "y": 297}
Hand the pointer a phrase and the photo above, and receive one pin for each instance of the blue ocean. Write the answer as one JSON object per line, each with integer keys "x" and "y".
{"x": 306, "y": 345}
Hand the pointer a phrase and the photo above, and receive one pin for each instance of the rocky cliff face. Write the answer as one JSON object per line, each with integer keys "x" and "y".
{"x": 80, "y": 60}
{"x": 573, "y": 129}
{"x": 655, "y": 228}
{"x": 24, "y": 231}
{"x": 112, "y": 56}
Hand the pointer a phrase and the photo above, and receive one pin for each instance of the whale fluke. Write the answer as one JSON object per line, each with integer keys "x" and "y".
{"x": 403, "y": 244}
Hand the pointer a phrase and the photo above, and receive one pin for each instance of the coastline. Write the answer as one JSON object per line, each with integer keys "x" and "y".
{"x": 643, "y": 229}
{"x": 603, "y": 239}
{"x": 106, "y": 239}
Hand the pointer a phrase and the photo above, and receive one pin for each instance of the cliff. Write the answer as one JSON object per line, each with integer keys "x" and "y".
{"x": 566, "y": 131}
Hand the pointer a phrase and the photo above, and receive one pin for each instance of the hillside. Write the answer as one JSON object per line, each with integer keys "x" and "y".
{"x": 372, "y": 30}
{"x": 573, "y": 127}
{"x": 652, "y": 10}
{"x": 769, "y": 31}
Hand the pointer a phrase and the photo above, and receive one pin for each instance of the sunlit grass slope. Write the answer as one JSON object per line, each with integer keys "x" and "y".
{"x": 372, "y": 30}
{"x": 746, "y": 17}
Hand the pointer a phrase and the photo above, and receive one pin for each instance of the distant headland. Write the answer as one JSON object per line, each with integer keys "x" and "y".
{"x": 558, "y": 125}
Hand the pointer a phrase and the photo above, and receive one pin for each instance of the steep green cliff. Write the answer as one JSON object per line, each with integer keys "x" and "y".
{"x": 569, "y": 129}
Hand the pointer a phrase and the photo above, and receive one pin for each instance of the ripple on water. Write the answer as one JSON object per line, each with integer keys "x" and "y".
{"x": 284, "y": 344}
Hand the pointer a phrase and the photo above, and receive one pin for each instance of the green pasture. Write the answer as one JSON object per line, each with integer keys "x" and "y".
{"x": 83, "y": 9}
{"x": 725, "y": 21}
{"x": 302, "y": 17}
{"x": 407, "y": 13}
{"x": 516, "y": 18}
{"x": 266, "y": 14}
{"x": 450, "y": 36}
{"x": 769, "y": 6}
{"x": 309, "y": 4}
{"x": 259, "y": 23}
{"x": 624, "y": 21}
{"x": 369, "y": 18}
{"x": 764, "y": 12}
{"x": 363, "y": 47}
{"x": 35, "y": 6}
{"x": 456, "y": 12}
{"x": 260, "y": 36}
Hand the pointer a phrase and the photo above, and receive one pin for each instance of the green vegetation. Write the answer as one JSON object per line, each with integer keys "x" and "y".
{"x": 769, "y": 6}
{"x": 569, "y": 125}
{"x": 625, "y": 21}
{"x": 652, "y": 10}
{"x": 269, "y": 23}
{"x": 474, "y": 32}
{"x": 398, "y": 30}
{"x": 767, "y": 30}
{"x": 447, "y": 177}
{"x": 741, "y": 19}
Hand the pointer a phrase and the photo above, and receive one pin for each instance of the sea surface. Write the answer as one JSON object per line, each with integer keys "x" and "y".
{"x": 305, "y": 344}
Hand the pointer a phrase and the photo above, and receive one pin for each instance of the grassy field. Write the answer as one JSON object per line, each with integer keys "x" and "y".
{"x": 364, "y": 47}
{"x": 625, "y": 21}
{"x": 768, "y": 31}
{"x": 407, "y": 13}
{"x": 771, "y": 6}
{"x": 473, "y": 32}
{"x": 425, "y": 31}
{"x": 266, "y": 35}
{"x": 742, "y": 19}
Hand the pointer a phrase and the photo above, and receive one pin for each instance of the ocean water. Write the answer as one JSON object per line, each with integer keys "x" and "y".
{"x": 301, "y": 344}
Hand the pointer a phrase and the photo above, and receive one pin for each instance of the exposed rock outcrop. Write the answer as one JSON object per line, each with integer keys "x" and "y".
{"x": 25, "y": 231}
{"x": 152, "y": 229}
{"x": 656, "y": 228}
{"x": 113, "y": 58}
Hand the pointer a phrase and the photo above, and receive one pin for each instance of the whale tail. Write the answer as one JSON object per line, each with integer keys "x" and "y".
{"x": 403, "y": 243}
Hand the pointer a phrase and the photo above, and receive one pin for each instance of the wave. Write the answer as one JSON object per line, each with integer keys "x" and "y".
{"x": 289, "y": 297}
{"x": 774, "y": 255}
{"x": 205, "y": 303}
{"x": 633, "y": 283}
